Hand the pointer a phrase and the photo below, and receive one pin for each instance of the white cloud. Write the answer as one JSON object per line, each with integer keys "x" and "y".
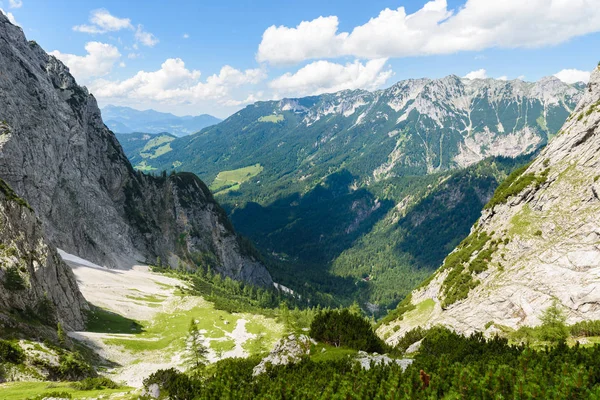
{"x": 175, "y": 84}
{"x": 10, "y": 17}
{"x": 122, "y": 64}
{"x": 99, "y": 61}
{"x": 15, "y": 3}
{"x": 252, "y": 98}
{"x": 503, "y": 78}
{"x": 434, "y": 29}
{"x": 103, "y": 21}
{"x": 186, "y": 36}
{"x": 327, "y": 77}
{"x": 133, "y": 56}
{"x": 479, "y": 74}
{"x": 573, "y": 75}
{"x": 145, "y": 38}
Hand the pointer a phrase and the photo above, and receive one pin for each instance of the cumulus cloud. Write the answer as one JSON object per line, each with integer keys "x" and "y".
{"x": 186, "y": 35}
{"x": 434, "y": 29}
{"x": 98, "y": 61}
{"x": 573, "y": 75}
{"x": 145, "y": 38}
{"x": 174, "y": 83}
{"x": 10, "y": 17}
{"x": 252, "y": 98}
{"x": 503, "y": 78}
{"x": 479, "y": 74}
{"x": 15, "y": 3}
{"x": 103, "y": 21}
{"x": 324, "y": 76}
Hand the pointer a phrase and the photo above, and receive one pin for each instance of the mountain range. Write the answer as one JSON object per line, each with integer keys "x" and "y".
{"x": 535, "y": 244}
{"x": 351, "y": 189}
{"x": 128, "y": 120}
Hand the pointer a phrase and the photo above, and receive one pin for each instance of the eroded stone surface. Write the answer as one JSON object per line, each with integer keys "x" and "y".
{"x": 554, "y": 243}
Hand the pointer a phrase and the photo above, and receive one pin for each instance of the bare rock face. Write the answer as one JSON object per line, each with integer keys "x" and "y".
{"x": 56, "y": 153}
{"x": 34, "y": 281}
{"x": 539, "y": 242}
{"x": 288, "y": 350}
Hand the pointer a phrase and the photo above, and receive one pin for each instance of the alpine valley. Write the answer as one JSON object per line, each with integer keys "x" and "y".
{"x": 435, "y": 239}
{"x": 362, "y": 194}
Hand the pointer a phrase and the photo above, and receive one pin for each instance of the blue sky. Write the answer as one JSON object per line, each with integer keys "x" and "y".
{"x": 216, "y": 57}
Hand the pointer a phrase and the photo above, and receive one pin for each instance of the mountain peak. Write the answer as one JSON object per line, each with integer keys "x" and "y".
{"x": 535, "y": 242}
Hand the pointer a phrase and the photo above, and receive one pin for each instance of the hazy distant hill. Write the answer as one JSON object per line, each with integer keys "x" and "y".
{"x": 128, "y": 120}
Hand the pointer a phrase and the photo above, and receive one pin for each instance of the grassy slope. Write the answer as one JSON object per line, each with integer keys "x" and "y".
{"x": 231, "y": 180}
{"x": 24, "y": 390}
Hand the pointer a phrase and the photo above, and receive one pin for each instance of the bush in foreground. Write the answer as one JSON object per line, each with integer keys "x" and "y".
{"x": 344, "y": 328}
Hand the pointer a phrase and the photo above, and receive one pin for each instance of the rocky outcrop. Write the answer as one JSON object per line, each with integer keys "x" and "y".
{"x": 56, "y": 152}
{"x": 538, "y": 240}
{"x": 366, "y": 360}
{"x": 36, "y": 284}
{"x": 289, "y": 350}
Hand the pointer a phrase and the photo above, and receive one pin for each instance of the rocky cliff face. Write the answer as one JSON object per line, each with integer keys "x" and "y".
{"x": 56, "y": 153}
{"x": 36, "y": 283}
{"x": 537, "y": 240}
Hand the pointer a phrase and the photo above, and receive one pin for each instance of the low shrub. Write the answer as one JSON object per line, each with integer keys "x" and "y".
{"x": 173, "y": 384}
{"x": 72, "y": 367}
{"x": 343, "y": 328}
{"x": 11, "y": 352}
{"x": 98, "y": 383}
{"x": 13, "y": 281}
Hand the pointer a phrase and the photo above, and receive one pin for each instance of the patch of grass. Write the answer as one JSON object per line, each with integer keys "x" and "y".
{"x": 541, "y": 121}
{"x": 144, "y": 167}
{"x": 169, "y": 330}
{"x": 421, "y": 313}
{"x": 275, "y": 118}
{"x": 103, "y": 321}
{"x": 158, "y": 152}
{"x": 27, "y": 390}
{"x": 156, "y": 143}
{"x": 164, "y": 285}
{"x": 222, "y": 346}
{"x": 331, "y": 353}
{"x": 149, "y": 298}
{"x": 231, "y": 180}
{"x": 403, "y": 307}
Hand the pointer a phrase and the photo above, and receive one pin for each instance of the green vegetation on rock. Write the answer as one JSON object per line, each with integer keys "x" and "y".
{"x": 516, "y": 182}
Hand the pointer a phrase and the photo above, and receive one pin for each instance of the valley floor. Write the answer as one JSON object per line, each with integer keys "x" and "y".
{"x": 151, "y": 306}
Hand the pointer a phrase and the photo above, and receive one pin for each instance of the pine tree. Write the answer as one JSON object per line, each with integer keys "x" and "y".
{"x": 197, "y": 351}
{"x": 60, "y": 331}
{"x": 554, "y": 326}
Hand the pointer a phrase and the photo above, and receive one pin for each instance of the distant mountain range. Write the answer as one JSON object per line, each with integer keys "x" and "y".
{"x": 363, "y": 185}
{"x": 129, "y": 120}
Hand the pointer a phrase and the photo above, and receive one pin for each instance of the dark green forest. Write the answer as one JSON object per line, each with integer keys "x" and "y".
{"x": 448, "y": 366}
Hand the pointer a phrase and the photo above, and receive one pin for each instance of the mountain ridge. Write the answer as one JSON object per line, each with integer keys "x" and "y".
{"x": 58, "y": 155}
{"x": 123, "y": 119}
{"x": 535, "y": 243}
